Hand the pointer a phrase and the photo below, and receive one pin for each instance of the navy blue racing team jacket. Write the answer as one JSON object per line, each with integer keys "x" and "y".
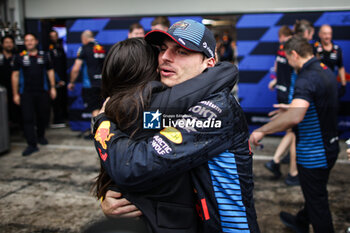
{"x": 207, "y": 145}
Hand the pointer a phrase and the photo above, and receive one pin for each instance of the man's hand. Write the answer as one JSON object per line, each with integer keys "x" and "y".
{"x": 70, "y": 86}
{"x": 256, "y": 137}
{"x": 348, "y": 151}
{"x": 280, "y": 108}
{"x": 283, "y": 107}
{"x": 17, "y": 99}
{"x": 53, "y": 93}
{"x": 272, "y": 84}
{"x": 74, "y": 73}
{"x": 61, "y": 83}
{"x": 114, "y": 206}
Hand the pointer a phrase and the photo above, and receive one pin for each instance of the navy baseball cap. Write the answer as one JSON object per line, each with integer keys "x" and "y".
{"x": 189, "y": 34}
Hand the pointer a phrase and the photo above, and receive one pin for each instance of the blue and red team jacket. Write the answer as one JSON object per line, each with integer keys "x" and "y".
{"x": 204, "y": 139}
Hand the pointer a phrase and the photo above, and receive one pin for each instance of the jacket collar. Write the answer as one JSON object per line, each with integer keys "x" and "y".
{"x": 308, "y": 63}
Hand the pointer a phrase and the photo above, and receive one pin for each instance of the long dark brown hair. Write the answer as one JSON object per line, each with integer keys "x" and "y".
{"x": 129, "y": 66}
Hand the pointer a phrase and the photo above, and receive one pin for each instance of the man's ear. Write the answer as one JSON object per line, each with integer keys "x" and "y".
{"x": 294, "y": 53}
{"x": 211, "y": 62}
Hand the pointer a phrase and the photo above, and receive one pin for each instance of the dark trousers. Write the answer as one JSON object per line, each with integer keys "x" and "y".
{"x": 316, "y": 209}
{"x": 60, "y": 105}
{"x": 35, "y": 108}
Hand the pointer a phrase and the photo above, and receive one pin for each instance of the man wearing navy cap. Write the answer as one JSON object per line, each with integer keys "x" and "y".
{"x": 223, "y": 184}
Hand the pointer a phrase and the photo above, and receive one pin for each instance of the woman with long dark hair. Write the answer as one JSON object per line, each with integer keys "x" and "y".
{"x": 130, "y": 79}
{"x": 125, "y": 77}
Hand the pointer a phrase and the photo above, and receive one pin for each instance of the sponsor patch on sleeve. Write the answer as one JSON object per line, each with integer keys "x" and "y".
{"x": 173, "y": 134}
{"x": 103, "y": 134}
{"x": 160, "y": 146}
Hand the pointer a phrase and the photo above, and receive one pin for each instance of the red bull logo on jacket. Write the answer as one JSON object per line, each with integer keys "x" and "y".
{"x": 323, "y": 66}
{"x": 24, "y": 52}
{"x": 103, "y": 134}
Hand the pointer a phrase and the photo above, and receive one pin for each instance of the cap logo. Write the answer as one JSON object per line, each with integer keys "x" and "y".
{"x": 181, "y": 25}
{"x": 205, "y": 45}
{"x": 181, "y": 40}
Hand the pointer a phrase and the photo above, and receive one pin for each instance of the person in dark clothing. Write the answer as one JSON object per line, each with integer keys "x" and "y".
{"x": 313, "y": 113}
{"x": 7, "y": 56}
{"x": 282, "y": 84}
{"x": 59, "y": 61}
{"x": 225, "y": 51}
{"x": 32, "y": 77}
{"x": 331, "y": 55}
{"x": 282, "y": 68}
{"x": 302, "y": 28}
{"x": 89, "y": 61}
{"x": 222, "y": 187}
{"x": 6, "y": 59}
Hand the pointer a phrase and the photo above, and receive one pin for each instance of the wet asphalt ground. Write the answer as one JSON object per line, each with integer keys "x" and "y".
{"x": 49, "y": 191}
